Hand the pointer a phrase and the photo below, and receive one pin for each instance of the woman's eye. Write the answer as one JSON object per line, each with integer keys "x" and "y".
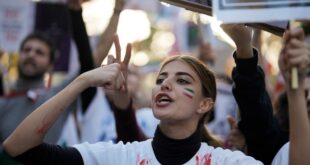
{"x": 159, "y": 81}
{"x": 182, "y": 81}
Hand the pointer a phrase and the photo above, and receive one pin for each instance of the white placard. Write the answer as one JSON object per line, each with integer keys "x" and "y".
{"x": 231, "y": 11}
{"x": 16, "y": 21}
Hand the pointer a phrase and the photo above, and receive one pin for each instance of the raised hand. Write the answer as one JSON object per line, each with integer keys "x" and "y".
{"x": 108, "y": 76}
{"x": 241, "y": 35}
{"x": 120, "y": 98}
{"x": 295, "y": 53}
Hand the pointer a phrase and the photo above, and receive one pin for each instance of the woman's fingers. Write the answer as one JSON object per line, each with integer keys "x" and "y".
{"x": 127, "y": 55}
{"x": 111, "y": 59}
{"x": 117, "y": 48}
{"x": 297, "y": 33}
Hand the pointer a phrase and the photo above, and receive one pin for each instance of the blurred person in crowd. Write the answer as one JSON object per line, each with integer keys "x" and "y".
{"x": 206, "y": 53}
{"x": 224, "y": 106}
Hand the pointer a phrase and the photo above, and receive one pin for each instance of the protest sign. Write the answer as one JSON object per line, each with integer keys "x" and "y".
{"x": 15, "y": 23}
{"x": 232, "y": 11}
{"x": 235, "y": 11}
{"x": 206, "y": 7}
{"x": 53, "y": 19}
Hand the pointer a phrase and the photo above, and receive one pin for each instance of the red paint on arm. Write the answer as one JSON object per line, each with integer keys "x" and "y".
{"x": 43, "y": 128}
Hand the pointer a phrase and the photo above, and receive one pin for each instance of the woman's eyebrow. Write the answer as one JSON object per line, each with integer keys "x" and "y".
{"x": 184, "y": 73}
{"x": 163, "y": 74}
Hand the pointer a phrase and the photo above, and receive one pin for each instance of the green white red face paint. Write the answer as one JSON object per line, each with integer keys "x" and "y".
{"x": 188, "y": 92}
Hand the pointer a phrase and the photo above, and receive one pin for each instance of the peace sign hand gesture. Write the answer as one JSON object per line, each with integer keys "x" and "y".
{"x": 121, "y": 97}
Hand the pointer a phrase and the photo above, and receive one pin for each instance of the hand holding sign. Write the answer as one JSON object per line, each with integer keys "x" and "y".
{"x": 242, "y": 37}
{"x": 294, "y": 54}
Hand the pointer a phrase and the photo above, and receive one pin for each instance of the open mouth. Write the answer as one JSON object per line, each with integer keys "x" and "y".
{"x": 163, "y": 99}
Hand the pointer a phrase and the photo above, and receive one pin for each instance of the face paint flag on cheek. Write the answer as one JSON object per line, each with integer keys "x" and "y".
{"x": 188, "y": 92}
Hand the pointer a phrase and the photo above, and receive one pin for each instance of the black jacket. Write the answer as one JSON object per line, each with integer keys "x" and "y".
{"x": 263, "y": 134}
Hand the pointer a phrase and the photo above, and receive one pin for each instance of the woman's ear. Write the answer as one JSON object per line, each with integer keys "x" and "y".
{"x": 205, "y": 105}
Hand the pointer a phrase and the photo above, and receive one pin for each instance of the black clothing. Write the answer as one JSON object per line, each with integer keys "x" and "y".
{"x": 127, "y": 128}
{"x": 172, "y": 151}
{"x": 262, "y": 132}
{"x": 84, "y": 53}
{"x": 51, "y": 154}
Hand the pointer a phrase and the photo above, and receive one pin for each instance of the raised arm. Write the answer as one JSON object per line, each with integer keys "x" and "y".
{"x": 241, "y": 35}
{"x": 83, "y": 46}
{"x": 107, "y": 37}
{"x": 296, "y": 53}
{"x": 261, "y": 130}
{"x": 31, "y": 131}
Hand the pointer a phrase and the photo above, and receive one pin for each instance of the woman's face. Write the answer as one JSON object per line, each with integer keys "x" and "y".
{"x": 177, "y": 95}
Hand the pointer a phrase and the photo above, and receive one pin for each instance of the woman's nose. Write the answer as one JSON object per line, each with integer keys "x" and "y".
{"x": 166, "y": 85}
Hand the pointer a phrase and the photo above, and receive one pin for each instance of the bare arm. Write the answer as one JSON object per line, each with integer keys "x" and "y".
{"x": 32, "y": 130}
{"x": 106, "y": 39}
{"x": 241, "y": 35}
{"x": 296, "y": 53}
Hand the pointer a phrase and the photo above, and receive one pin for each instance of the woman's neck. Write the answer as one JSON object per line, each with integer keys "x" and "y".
{"x": 175, "y": 151}
{"x": 178, "y": 131}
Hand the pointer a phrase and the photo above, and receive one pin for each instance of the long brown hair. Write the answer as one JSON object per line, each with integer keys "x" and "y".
{"x": 208, "y": 85}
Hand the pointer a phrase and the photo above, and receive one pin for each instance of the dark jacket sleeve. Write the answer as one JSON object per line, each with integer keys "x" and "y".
{"x": 50, "y": 155}
{"x": 264, "y": 137}
{"x": 127, "y": 128}
{"x": 84, "y": 53}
